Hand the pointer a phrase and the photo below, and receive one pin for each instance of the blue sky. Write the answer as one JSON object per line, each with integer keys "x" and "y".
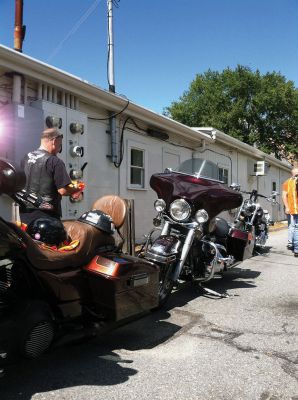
{"x": 160, "y": 45}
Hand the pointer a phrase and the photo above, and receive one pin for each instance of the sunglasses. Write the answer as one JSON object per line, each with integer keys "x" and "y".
{"x": 58, "y": 137}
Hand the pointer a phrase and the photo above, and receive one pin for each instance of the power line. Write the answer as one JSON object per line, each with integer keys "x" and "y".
{"x": 74, "y": 28}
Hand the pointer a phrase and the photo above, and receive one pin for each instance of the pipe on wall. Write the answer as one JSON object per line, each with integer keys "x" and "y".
{"x": 16, "y": 88}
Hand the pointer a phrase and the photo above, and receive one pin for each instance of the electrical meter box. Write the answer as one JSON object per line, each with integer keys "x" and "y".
{"x": 73, "y": 125}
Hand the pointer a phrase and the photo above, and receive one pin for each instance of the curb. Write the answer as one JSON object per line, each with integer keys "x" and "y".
{"x": 278, "y": 226}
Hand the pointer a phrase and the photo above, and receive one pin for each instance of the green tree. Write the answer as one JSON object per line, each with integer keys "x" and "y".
{"x": 258, "y": 109}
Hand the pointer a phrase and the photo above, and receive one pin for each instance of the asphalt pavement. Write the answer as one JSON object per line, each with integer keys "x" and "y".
{"x": 244, "y": 346}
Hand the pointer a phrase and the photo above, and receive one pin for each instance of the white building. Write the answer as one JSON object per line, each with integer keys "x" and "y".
{"x": 33, "y": 94}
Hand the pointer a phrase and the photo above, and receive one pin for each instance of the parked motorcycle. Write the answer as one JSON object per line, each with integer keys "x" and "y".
{"x": 193, "y": 242}
{"x": 48, "y": 296}
{"x": 252, "y": 214}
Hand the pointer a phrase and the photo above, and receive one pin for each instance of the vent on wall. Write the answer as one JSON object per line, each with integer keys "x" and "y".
{"x": 257, "y": 168}
{"x": 261, "y": 168}
{"x": 157, "y": 134}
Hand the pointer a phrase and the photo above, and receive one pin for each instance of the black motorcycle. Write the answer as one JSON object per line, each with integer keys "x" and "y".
{"x": 49, "y": 297}
{"x": 252, "y": 215}
{"x": 190, "y": 241}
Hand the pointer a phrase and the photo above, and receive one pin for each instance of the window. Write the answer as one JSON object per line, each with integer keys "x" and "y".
{"x": 137, "y": 168}
{"x": 223, "y": 175}
{"x": 274, "y": 186}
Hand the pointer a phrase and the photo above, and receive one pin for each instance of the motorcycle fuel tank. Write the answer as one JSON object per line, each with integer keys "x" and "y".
{"x": 122, "y": 285}
{"x": 211, "y": 195}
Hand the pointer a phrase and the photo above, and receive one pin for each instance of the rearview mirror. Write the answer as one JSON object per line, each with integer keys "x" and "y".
{"x": 235, "y": 186}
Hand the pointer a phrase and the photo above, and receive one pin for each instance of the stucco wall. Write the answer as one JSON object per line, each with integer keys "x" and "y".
{"x": 101, "y": 175}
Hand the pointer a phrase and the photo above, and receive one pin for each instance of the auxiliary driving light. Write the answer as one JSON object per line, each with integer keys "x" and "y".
{"x": 201, "y": 216}
{"x": 159, "y": 205}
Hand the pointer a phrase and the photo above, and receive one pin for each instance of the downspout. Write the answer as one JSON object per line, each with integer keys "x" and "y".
{"x": 16, "y": 88}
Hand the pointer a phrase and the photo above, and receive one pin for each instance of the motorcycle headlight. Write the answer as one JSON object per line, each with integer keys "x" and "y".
{"x": 248, "y": 208}
{"x": 180, "y": 210}
{"x": 159, "y": 205}
{"x": 201, "y": 216}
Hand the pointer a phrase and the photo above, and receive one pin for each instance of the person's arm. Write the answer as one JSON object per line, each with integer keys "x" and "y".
{"x": 284, "y": 196}
{"x": 285, "y": 201}
{"x": 62, "y": 179}
{"x": 68, "y": 190}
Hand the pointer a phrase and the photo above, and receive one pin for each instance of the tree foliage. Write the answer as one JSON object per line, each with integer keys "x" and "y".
{"x": 257, "y": 109}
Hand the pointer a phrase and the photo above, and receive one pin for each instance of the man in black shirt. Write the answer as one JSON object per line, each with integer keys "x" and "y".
{"x": 47, "y": 179}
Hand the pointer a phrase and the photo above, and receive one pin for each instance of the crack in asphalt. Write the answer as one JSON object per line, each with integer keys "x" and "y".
{"x": 228, "y": 337}
{"x": 270, "y": 262}
{"x": 282, "y": 253}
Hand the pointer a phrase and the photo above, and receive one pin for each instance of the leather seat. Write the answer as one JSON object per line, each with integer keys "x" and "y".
{"x": 114, "y": 206}
{"x": 91, "y": 239}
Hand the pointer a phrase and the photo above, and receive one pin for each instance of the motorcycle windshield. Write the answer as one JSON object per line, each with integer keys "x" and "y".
{"x": 197, "y": 182}
{"x": 199, "y": 168}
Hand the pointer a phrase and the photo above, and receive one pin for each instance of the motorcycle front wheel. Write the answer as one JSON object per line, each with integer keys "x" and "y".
{"x": 165, "y": 284}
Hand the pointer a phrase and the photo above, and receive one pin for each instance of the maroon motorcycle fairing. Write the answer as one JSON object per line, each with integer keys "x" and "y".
{"x": 213, "y": 196}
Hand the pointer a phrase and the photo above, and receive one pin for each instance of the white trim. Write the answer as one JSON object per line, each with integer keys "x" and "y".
{"x": 137, "y": 145}
{"x": 223, "y": 138}
{"x": 225, "y": 167}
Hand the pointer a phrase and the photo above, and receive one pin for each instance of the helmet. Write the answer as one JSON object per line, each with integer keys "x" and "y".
{"x": 12, "y": 178}
{"x": 47, "y": 230}
{"x": 98, "y": 219}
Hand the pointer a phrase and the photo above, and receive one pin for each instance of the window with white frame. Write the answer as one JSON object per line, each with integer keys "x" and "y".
{"x": 137, "y": 163}
{"x": 223, "y": 174}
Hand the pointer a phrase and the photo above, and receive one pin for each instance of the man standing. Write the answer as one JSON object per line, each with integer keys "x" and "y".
{"x": 47, "y": 179}
{"x": 290, "y": 200}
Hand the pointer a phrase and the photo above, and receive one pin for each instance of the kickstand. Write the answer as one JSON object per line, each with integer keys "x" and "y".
{"x": 213, "y": 292}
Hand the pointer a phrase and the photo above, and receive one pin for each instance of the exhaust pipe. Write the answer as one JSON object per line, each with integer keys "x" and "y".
{"x": 19, "y": 28}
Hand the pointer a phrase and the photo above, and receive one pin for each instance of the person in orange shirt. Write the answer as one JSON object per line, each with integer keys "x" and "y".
{"x": 290, "y": 200}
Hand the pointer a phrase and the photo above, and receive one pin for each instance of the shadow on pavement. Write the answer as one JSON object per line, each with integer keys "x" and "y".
{"x": 70, "y": 366}
{"x": 96, "y": 362}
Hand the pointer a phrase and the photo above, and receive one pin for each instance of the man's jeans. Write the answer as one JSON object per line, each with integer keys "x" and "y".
{"x": 293, "y": 231}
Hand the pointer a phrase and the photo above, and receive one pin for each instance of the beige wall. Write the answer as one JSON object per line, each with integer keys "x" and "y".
{"x": 102, "y": 177}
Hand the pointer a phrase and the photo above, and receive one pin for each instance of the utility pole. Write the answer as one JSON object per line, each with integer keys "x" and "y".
{"x": 111, "y": 82}
{"x": 110, "y": 48}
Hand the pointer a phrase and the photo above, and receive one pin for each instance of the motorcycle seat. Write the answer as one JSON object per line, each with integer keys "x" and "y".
{"x": 114, "y": 206}
{"x": 91, "y": 241}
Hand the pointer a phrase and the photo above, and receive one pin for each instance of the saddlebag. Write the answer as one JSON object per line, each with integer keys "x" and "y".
{"x": 122, "y": 285}
{"x": 240, "y": 244}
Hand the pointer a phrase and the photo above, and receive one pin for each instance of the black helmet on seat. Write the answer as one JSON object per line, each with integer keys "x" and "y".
{"x": 47, "y": 230}
{"x": 99, "y": 220}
